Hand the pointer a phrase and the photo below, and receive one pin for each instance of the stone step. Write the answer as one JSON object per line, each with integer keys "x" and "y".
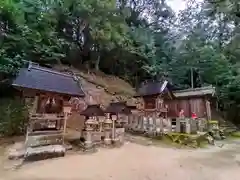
{"x": 44, "y": 152}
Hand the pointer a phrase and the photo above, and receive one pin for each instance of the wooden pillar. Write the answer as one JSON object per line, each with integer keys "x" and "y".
{"x": 67, "y": 111}
{"x": 114, "y": 119}
{"x": 208, "y": 109}
{"x": 35, "y": 104}
{"x": 64, "y": 127}
{"x": 154, "y": 123}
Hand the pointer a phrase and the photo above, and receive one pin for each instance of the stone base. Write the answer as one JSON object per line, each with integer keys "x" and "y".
{"x": 116, "y": 142}
{"x": 44, "y": 152}
{"x": 16, "y": 151}
{"x": 88, "y": 145}
{"x": 90, "y": 150}
{"x": 107, "y": 142}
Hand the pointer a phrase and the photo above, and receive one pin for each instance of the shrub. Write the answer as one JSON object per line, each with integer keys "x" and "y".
{"x": 13, "y": 117}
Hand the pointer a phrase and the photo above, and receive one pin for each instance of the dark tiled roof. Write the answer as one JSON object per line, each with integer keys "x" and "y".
{"x": 93, "y": 110}
{"x": 117, "y": 108}
{"x": 44, "y": 79}
{"x": 153, "y": 88}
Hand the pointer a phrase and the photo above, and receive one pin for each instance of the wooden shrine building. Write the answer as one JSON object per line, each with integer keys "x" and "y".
{"x": 47, "y": 93}
{"x": 196, "y": 100}
{"x": 154, "y": 95}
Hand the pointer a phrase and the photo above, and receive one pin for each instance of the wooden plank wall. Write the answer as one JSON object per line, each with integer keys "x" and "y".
{"x": 189, "y": 105}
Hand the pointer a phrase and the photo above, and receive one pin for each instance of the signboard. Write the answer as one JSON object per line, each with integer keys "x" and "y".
{"x": 34, "y": 141}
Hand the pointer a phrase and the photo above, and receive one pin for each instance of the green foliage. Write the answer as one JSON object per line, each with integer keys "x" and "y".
{"x": 135, "y": 40}
{"x": 13, "y": 117}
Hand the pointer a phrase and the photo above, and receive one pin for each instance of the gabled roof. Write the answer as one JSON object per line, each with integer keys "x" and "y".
{"x": 202, "y": 91}
{"x": 93, "y": 110}
{"x": 45, "y": 79}
{"x": 153, "y": 88}
{"x": 118, "y": 108}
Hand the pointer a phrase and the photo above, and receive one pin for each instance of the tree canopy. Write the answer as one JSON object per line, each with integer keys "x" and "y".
{"x": 133, "y": 39}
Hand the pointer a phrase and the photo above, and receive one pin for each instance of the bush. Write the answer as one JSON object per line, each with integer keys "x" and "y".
{"x": 13, "y": 117}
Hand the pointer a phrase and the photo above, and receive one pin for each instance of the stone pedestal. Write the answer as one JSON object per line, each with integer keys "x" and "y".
{"x": 107, "y": 140}
{"x": 188, "y": 126}
{"x": 178, "y": 125}
{"x": 88, "y": 142}
{"x": 144, "y": 128}
{"x": 117, "y": 142}
{"x": 194, "y": 127}
{"x": 150, "y": 125}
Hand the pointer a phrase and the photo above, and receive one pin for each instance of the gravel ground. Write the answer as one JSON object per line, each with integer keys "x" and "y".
{"x": 137, "y": 162}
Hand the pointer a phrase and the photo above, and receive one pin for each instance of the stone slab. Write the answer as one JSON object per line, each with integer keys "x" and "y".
{"x": 44, "y": 152}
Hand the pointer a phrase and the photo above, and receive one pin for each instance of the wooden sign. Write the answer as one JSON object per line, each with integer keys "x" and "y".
{"x": 34, "y": 141}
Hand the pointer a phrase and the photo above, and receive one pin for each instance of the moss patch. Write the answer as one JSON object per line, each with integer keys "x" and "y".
{"x": 235, "y": 134}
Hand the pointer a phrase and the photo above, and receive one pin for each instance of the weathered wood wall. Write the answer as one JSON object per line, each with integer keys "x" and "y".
{"x": 189, "y": 105}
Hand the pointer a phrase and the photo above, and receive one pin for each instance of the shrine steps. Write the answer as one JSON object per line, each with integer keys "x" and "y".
{"x": 19, "y": 151}
{"x": 44, "y": 152}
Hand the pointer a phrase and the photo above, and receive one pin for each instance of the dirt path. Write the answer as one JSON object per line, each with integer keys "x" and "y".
{"x": 138, "y": 162}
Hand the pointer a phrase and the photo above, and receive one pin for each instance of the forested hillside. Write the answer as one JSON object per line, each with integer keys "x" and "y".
{"x": 132, "y": 39}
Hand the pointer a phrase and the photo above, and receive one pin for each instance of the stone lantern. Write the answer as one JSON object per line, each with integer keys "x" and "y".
{"x": 114, "y": 110}
{"x": 92, "y": 113}
{"x": 90, "y": 125}
{"x": 107, "y": 127}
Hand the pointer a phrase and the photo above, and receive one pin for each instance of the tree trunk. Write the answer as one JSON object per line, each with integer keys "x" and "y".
{"x": 192, "y": 84}
{"x": 97, "y": 62}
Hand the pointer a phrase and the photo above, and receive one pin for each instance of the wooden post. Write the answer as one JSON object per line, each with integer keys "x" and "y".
{"x": 35, "y": 104}
{"x": 208, "y": 110}
{"x": 113, "y": 130}
{"x": 64, "y": 126}
{"x": 114, "y": 118}
{"x": 67, "y": 111}
{"x": 192, "y": 83}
